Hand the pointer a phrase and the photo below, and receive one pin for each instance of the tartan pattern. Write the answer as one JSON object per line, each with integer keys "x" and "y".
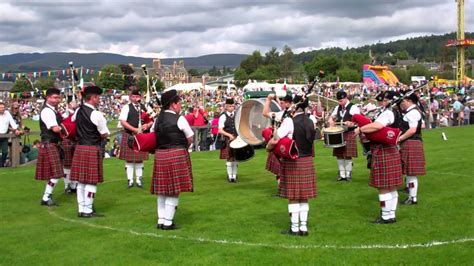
{"x": 413, "y": 158}
{"x": 87, "y": 165}
{"x": 49, "y": 164}
{"x": 227, "y": 153}
{"x": 172, "y": 172}
{"x": 68, "y": 148}
{"x": 298, "y": 179}
{"x": 130, "y": 155}
{"x": 386, "y": 168}
{"x": 348, "y": 151}
{"x": 273, "y": 165}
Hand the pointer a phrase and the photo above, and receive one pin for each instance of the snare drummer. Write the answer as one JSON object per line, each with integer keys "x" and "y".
{"x": 227, "y": 129}
{"x": 343, "y": 113}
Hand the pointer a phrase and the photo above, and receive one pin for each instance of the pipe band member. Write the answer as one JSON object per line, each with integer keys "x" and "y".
{"x": 228, "y": 131}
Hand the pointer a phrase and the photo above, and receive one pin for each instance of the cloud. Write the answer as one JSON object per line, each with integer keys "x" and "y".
{"x": 181, "y": 28}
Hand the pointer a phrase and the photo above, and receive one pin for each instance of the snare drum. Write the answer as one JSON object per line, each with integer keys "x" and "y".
{"x": 334, "y": 137}
{"x": 242, "y": 150}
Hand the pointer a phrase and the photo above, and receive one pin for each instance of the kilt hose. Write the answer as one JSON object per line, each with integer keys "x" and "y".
{"x": 386, "y": 167}
{"x": 49, "y": 164}
{"x": 348, "y": 151}
{"x": 130, "y": 155}
{"x": 68, "y": 148}
{"x": 413, "y": 158}
{"x": 227, "y": 153}
{"x": 298, "y": 179}
{"x": 273, "y": 165}
{"x": 172, "y": 172}
{"x": 87, "y": 165}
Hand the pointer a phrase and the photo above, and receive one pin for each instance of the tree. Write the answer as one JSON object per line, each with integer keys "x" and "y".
{"x": 329, "y": 64}
{"x": 272, "y": 57}
{"x": 21, "y": 84}
{"x": 193, "y": 72}
{"x": 348, "y": 74}
{"x": 251, "y": 63}
{"x": 108, "y": 81}
{"x": 128, "y": 71}
{"x": 287, "y": 61}
{"x": 44, "y": 84}
{"x": 402, "y": 55}
{"x": 269, "y": 72}
{"x": 419, "y": 70}
{"x": 240, "y": 74}
{"x": 402, "y": 75}
{"x": 142, "y": 85}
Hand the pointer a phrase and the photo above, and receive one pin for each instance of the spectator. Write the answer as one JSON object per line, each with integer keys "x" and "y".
{"x": 457, "y": 107}
{"x": 6, "y": 121}
{"x": 200, "y": 119}
{"x": 434, "y": 107}
{"x": 214, "y": 130}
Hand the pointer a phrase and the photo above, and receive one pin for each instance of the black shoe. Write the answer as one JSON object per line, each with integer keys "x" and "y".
{"x": 140, "y": 185}
{"x": 350, "y": 177}
{"x": 49, "y": 203}
{"x": 340, "y": 178}
{"x": 381, "y": 220}
{"x": 169, "y": 227}
{"x": 159, "y": 226}
{"x": 73, "y": 191}
{"x": 130, "y": 185}
{"x": 68, "y": 190}
{"x": 90, "y": 215}
{"x": 290, "y": 232}
{"x": 303, "y": 233}
{"x": 409, "y": 201}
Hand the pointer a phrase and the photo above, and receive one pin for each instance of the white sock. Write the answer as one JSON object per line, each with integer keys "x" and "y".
{"x": 49, "y": 188}
{"x": 90, "y": 191}
{"x": 412, "y": 184}
{"x": 385, "y": 204}
{"x": 170, "y": 209}
{"x": 160, "y": 203}
{"x": 348, "y": 164}
{"x": 294, "y": 210}
{"x": 304, "y": 210}
{"x": 129, "y": 167}
{"x": 234, "y": 169}
{"x": 393, "y": 204}
{"x": 229, "y": 169}
{"x": 81, "y": 197}
{"x": 341, "y": 164}
{"x": 73, "y": 184}
{"x": 67, "y": 180}
{"x": 139, "y": 172}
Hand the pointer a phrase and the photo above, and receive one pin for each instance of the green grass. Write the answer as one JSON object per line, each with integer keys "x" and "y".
{"x": 246, "y": 218}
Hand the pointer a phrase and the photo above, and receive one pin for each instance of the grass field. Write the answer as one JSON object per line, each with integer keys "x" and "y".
{"x": 222, "y": 223}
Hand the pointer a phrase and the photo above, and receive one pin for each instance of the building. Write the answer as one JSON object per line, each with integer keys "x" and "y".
{"x": 171, "y": 74}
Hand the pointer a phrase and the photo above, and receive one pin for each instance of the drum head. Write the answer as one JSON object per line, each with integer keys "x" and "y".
{"x": 238, "y": 143}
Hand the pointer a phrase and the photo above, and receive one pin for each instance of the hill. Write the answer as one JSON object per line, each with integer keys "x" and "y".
{"x": 34, "y": 61}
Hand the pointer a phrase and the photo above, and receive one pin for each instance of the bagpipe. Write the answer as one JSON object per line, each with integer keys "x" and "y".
{"x": 286, "y": 148}
{"x": 386, "y": 135}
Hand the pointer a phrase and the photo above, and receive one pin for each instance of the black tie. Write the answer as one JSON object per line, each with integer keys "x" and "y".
{"x": 231, "y": 115}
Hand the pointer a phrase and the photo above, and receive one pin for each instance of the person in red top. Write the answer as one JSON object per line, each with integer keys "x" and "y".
{"x": 215, "y": 129}
{"x": 189, "y": 116}
{"x": 200, "y": 115}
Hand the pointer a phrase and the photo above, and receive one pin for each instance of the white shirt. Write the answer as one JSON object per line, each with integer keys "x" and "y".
{"x": 97, "y": 118}
{"x": 287, "y": 127}
{"x": 48, "y": 116}
{"x": 223, "y": 118}
{"x": 386, "y": 118}
{"x": 412, "y": 117}
{"x": 124, "y": 112}
{"x": 354, "y": 110}
{"x": 6, "y": 120}
{"x": 278, "y": 115}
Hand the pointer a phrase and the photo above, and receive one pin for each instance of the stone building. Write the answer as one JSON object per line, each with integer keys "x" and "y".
{"x": 171, "y": 74}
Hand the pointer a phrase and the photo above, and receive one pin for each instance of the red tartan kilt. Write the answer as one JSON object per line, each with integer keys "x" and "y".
{"x": 348, "y": 151}
{"x": 49, "y": 164}
{"x": 87, "y": 165}
{"x": 68, "y": 148}
{"x": 227, "y": 153}
{"x": 172, "y": 172}
{"x": 386, "y": 168}
{"x": 298, "y": 179}
{"x": 273, "y": 164}
{"x": 413, "y": 158}
{"x": 130, "y": 155}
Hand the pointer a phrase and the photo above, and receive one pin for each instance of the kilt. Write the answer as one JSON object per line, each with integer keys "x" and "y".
{"x": 87, "y": 165}
{"x": 130, "y": 155}
{"x": 227, "y": 153}
{"x": 172, "y": 172}
{"x": 348, "y": 151}
{"x": 413, "y": 158}
{"x": 386, "y": 168}
{"x": 49, "y": 164}
{"x": 273, "y": 164}
{"x": 68, "y": 148}
{"x": 298, "y": 179}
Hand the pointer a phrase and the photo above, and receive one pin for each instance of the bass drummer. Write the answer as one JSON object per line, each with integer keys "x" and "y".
{"x": 227, "y": 131}
{"x": 343, "y": 113}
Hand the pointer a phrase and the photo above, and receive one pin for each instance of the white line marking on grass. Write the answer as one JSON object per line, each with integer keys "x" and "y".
{"x": 285, "y": 246}
{"x": 448, "y": 173}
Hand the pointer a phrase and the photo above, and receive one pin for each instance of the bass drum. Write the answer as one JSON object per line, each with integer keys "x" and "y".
{"x": 243, "y": 151}
{"x": 250, "y": 122}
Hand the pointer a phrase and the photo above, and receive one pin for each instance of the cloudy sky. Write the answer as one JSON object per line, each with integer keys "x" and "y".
{"x": 179, "y": 28}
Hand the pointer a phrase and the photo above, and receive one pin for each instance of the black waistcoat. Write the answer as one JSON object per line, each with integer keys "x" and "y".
{"x": 87, "y": 133}
{"x": 229, "y": 125}
{"x": 347, "y": 116}
{"x": 48, "y": 134}
{"x": 133, "y": 117}
{"x": 404, "y": 126}
{"x": 303, "y": 134}
{"x": 167, "y": 132}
